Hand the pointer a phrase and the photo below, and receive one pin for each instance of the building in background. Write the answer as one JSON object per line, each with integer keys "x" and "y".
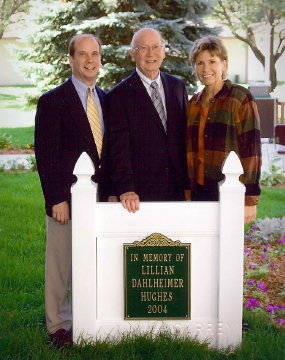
{"x": 243, "y": 65}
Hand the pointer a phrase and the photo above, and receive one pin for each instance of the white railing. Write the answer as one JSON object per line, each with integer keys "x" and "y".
{"x": 280, "y": 109}
{"x": 215, "y": 231}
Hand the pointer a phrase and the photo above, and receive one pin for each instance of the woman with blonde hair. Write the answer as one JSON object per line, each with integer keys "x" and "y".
{"x": 222, "y": 117}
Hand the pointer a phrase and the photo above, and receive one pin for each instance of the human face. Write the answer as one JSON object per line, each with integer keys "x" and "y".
{"x": 148, "y": 52}
{"x": 209, "y": 68}
{"x": 86, "y": 61}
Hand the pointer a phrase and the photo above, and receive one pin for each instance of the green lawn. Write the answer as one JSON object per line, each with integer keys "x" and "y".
{"x": 272, "y": 203}
{"x": 19, "y": 137}
{"x": 13, "y": 106}
{"x": 22, "y": 328}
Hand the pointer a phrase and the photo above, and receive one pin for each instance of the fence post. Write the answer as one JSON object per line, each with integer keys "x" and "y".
{"x": 84, "y": 193}
{"x": 230, "y": 282}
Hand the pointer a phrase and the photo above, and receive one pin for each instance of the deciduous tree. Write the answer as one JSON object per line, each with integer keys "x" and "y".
{"x": 9, "y": 8}
{"x": 243, "y": 17}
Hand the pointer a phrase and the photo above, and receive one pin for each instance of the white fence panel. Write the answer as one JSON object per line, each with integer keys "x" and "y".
{"x": 215, "y": 231}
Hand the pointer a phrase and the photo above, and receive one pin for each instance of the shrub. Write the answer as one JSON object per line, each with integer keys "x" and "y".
{"x": 274, "y": 176}
{"x": 5, "y": 141}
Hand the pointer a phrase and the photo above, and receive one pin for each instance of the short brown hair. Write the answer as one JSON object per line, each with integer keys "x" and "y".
{"x": 71, "y": 46}
{"x": 211, "y": 43}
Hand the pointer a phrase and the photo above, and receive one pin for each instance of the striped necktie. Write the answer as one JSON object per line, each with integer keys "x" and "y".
{"x": 157, "y": 101}
{"x": 94, "y": 120}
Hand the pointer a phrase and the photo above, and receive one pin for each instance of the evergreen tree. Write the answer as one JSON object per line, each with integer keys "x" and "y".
{"x": 114, "y": 22}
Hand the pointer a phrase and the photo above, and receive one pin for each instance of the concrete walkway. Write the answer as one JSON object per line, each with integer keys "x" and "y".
{"x": 15, "y": 161}
{"x": 270, "y": 156}
{"x": 11, "y": 118}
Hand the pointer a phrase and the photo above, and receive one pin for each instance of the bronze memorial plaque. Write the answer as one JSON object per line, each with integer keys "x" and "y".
{"x": 157, "y": 279}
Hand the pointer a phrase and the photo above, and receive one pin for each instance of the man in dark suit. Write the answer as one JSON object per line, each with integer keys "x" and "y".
{"x": 147, "y": 128}
{"x": 62, "y": 132}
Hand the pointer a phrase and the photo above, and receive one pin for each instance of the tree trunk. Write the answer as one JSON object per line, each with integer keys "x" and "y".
{"x": 1, "y": 31}
{"x": 272, "y": 70}
{"x": 273, "y": 77}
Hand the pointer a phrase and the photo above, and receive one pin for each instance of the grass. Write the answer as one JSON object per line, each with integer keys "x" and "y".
{"x": 267, "y": 206}
{"x": 22, "y": 328}
{"x": 13, "y": 105}
{"x": 19, "y": 137}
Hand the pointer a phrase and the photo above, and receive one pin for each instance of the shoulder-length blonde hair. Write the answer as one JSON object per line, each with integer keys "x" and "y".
{"x": 211, "y": 43}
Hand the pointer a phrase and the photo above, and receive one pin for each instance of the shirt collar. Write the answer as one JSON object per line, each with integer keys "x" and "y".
{"x": 148, "y": 81}
{"x": 224, "y": 90}
{"x": 80, "y": 86}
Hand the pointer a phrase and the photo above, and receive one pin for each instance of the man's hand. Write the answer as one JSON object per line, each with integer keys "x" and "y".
{"x": 249, "y": 214}
{"x": 60, "y": 212}
{"x": 130, "y": 201}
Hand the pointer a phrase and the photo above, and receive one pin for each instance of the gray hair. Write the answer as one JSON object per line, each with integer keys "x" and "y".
{"x": 133, "y": 42}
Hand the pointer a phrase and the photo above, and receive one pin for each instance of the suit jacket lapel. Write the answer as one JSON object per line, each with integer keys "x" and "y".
{"x": 76, "y": 111}
{"x": 75, "y": 106}
{"x": 102, "y": 98}
{"x": 167, "y": 93}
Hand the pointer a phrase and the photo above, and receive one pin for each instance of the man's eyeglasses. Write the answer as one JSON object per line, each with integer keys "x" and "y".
{"x": 144, "y": 49}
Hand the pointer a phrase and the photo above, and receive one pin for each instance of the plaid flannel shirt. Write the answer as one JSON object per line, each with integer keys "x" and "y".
{"x": 232, "y": 124}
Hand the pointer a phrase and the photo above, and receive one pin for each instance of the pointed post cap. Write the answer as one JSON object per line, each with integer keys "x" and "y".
{"x": 232, "y": 165}
{"x": 84, "y": 165}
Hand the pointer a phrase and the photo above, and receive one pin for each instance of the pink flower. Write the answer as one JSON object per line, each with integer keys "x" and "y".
{"x": 282, "y": 307}
{"x": 251, "y": 266}
{"x": 252, "y": 303}
{"x": 267, "y": 247}
{"x": 247, "y": 251}
{"x": 254, "y": 227}
{"x": 263, "y": 256}
{"x": 261, "y": 287}
{"x": 272, "y": 308}
{"x": 251, "y": 282}
{"x": 282, "y": 240}
{"x": 281, "y": 321}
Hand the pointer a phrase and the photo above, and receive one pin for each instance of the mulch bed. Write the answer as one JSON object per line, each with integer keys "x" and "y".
{"x": 16, "y": 151}
{"x": 275, "y": 278}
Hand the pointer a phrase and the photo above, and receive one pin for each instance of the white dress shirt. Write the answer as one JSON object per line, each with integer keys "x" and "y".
{"x": 147, "y": 82}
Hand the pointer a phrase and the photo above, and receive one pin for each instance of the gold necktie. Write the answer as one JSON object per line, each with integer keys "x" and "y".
{"x": 94, "y": 120}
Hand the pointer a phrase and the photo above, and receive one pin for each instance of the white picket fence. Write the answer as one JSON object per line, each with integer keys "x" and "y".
{"x": 215, "y": 231}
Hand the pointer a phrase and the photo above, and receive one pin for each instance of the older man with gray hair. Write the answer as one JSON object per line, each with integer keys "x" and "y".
{"x": 147, "y": 115}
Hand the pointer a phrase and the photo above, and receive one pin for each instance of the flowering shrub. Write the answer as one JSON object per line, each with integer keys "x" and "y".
{"x": 264, "y": 262}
